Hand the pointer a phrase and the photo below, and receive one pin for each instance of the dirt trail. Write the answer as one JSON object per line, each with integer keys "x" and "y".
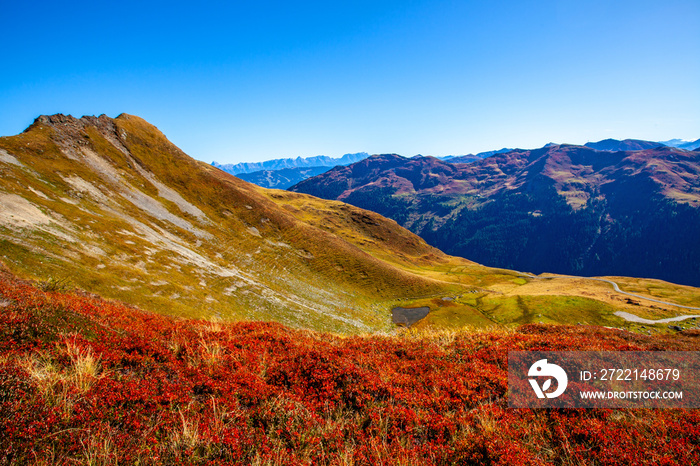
{"x": 617, "y": 288}
{"x": 633, "y": 318}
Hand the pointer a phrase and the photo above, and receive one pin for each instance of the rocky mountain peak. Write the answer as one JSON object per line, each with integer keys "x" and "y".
{"x": 60, "y": 120}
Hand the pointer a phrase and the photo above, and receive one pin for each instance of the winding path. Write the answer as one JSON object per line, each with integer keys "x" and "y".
{"x": 617, "y": 288}
{"x": 640, "y": 320}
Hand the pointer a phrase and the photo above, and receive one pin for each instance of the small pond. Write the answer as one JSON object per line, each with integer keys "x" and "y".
{"x": 408, "y": 316}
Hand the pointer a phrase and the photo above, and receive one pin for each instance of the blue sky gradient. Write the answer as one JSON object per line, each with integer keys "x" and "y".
{"x": 251, "y": 81}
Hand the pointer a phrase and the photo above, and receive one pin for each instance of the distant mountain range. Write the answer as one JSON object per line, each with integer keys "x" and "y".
{"x": 562, "y": 208}
{"x": 283, "y": 178}
{"x": 681, "y": 144}
{"x": 299, "y": 162}
{"x": 472, "y": 157}
{"x": 285, "y": 173}
{"x": 614, "y": 145}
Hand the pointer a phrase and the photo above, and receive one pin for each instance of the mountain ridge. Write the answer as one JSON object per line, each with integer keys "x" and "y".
{"x": 440, "y": 202}
{"x": 283, "y": 178}
{"x": 614, "y": 145}
{"x": 682, "y": 144}
{"x": 473, "y": 157}
{"x": 299, "y": 162}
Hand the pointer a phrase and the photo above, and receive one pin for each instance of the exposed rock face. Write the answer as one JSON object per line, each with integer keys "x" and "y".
{"x": 70, "y": 125}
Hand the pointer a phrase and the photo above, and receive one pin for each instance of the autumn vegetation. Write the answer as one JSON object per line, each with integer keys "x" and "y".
{"x": 89, "y": 381}
{"x": 205, "y": 376}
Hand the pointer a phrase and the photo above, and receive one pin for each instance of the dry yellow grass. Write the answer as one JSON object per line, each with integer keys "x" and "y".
{"x": 62, "y": 385}
{"x": 133, "y": 218}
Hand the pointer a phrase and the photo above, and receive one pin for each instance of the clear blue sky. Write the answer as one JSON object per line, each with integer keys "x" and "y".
{"x": 256, "y": 80}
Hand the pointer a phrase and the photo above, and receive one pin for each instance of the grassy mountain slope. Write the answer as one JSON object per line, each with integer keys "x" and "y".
{"x": 112, "y": 207}
{"x": 561, "y": 209}
{"x": 88, "y": 381}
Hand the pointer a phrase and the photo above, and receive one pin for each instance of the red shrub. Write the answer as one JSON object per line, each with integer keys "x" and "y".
{"x": 158, "y": 390}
